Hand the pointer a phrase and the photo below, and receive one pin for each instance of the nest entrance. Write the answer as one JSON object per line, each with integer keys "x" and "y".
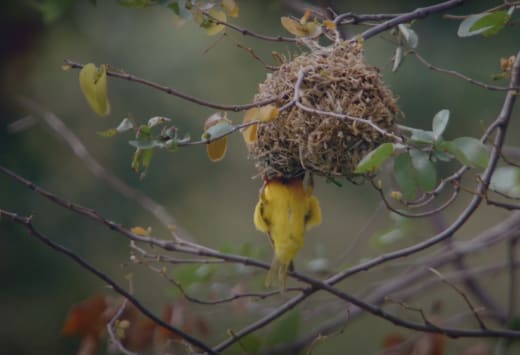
{"x": 336, "y": 80}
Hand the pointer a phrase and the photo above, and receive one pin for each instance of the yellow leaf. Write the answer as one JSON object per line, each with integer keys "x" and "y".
{"x": 210, "y": 25}
{"x": 141, "y": 231}
{"x": 330, "y": 25}
{"x": 93, "y": 83}
{"x": 396, "y": 195}
{"x": 217, "y": 149}
{"x": 293, "y": 26}
{"x": 231, "y": 7}
{"x": 305, "y": 17}
{"x": 268, "y": 113}
{"x": 262, "y": 114}
{"x": 298, "y": 29}
{"x": 215, "y": 125}
{"x": 249, "y": 133}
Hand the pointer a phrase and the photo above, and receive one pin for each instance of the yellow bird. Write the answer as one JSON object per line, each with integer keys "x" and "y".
{"x": 285, "y": 210}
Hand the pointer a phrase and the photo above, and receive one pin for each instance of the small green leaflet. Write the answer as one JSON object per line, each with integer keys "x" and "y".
{"x": 468, "y": 150}
{"x": 403, "y": 172}
{"x": 409, "y": 35}
{"x": 487, "y": 24}
{"x": 398, "y": 58}
{"x": 421, "y": 136}
{"x": 157, "y": 120}
{"x": 141, "y": 161}
{"x": 220, "y": 129}
{"x": 124, "y": 126}
{"x": 506, "y": 180}
{"x": 424, "y": 170}
{"x": 440, "y": 121}
{"x": 373, "y": 160}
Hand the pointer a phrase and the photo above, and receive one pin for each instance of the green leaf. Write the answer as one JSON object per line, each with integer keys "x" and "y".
{"x": 441, "y": 156}
{"x": 373, "y": 160}
{"x": 404, "y": 175}
{"x": 487, "y": 24}
{"x": 285, "y": 330}
{"x": 157, "y": 120}
{"x": 506, "y": 180}
{"x": 220, "y": 129}
{"x": 409, "y": 35}
{"x": 440, "y": 121}
{"x": 141, "y": 161}
{"x": 470, "y": 151}
{"x": 425, "y": 172}
{"x": 421, "y": 136}
{"x": 492, "y": 23}
{"x": 124, "y": 126}
{"x": 145, "y": 144}
{"x": 398, "y": 58}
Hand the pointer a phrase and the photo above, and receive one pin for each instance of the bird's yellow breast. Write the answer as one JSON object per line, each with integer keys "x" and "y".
{"x": 285, "y": 210}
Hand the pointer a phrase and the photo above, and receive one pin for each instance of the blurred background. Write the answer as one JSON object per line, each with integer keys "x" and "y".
{"x": 212, "y": 202}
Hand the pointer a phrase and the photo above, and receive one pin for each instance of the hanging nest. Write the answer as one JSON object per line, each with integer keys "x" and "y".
{"x": 336, "y": 79}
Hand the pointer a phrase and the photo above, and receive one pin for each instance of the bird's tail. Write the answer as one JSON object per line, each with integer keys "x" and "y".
{"x": 277, "y": 273}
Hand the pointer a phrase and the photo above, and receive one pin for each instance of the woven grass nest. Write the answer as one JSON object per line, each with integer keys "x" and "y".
{"x": 336, "y": 79}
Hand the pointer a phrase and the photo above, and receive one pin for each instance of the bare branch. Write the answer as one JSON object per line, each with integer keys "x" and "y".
{"x": 463, "y": 295}
{"x": 80, "y": 150}
{"x": 459, "y": 75}
{"x": 175, "y": 92}
{"x": 407, "y": 17}
{"x": 27, "y": 223}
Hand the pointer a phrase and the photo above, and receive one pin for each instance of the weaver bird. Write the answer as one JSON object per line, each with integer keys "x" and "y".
{"x": 285, "y": 210}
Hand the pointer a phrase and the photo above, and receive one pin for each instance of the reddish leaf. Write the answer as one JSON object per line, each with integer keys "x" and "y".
{"x": 87, "y": 318}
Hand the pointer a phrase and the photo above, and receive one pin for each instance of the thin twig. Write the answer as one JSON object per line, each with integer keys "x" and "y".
{"x": 77, "y": 147}
{"x": 27, "y": 223}
{"x": 500, "y": 123}
{"x": 462, "y": 294}
{"x": 407, "y": 17}
{"x": 459, "y": 75}
{"x": 505, "y": 5}
{"x": 175, "y": 92}
{"x": 511, "y": 258}
{"x": 110, "y": 329}
{"x": 297, "y": 101}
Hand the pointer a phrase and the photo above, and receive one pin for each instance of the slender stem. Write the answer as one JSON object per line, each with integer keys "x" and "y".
{"x": 27, "y": 223}
{"x": 175, "y": 92}
{"x": 409, "y": 16}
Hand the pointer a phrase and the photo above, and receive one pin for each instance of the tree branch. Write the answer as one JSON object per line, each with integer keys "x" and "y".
{"x": 175, "y": 92}
{"x": 27, "y": 223}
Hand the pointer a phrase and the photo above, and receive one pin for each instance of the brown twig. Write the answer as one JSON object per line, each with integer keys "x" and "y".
{"x": 175, "y": 92}
{"x": 462, "y": 294}
{"x": 459, "y": 75}
{"x": 26, "y": 222}
{"x": 80, "y": 150}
